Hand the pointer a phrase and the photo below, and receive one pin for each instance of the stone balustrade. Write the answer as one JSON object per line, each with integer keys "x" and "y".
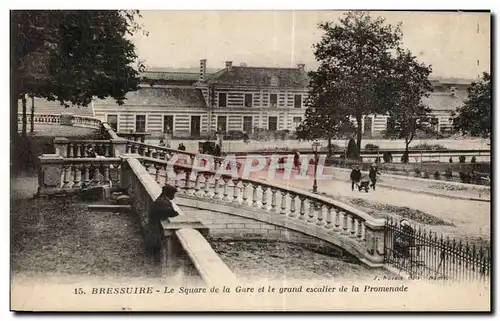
{"x": 61, "y": 119}
{"x": 80, "y": 148}
{"x": 57, "y": 173}
{"x": 364, "y": 233}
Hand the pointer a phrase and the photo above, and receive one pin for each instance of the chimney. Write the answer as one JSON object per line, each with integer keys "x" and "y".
{"x": 301, "y": 66}
{"x": 229, "y": 65}
{"x": 203, "y": 70}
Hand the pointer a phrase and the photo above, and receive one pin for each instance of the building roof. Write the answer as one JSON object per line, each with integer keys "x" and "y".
{"x": 443, "y": 102}
{"x": 259, "y": 76}
{"x": 160, "y": 96}
{"x": 169, "y": 75}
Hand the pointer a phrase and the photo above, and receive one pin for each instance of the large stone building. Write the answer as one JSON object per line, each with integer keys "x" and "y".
{"x": 239, "y": 98}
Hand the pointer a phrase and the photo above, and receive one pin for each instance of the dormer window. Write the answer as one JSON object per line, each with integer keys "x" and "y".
{"x": 275, "y": 81}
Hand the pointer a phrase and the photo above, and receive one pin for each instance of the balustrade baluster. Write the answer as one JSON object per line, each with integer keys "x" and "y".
{"x": 302, "y": 211}
{"x": 254, "y": 195}
{"x": 216, "y": 187}
{"x": 226, "y": 189}
{"x": 197, "y": 183}
{"x": 329, "y": 224}
{"x": 207, "y": 185}
{"x": 246, "y": 201}
{"x": 157, "y": 173}
{"x": 128, "y": 148}
{"x": 77, "y": 150}
{"x": 354, "y": 226}
{"x": 86, "y": 175}
{"x": 345, "y": 225}
{"x": 70, "y": 150}
{"x": 360, "y": 233}
{"x": 105, "y": 150}
{"x": 283, "y": 202}
{"x": 166, "y": 174}
{"x": 77, "y": 179}
{"x": 177, "y": 179}
{"x": 115, "y": 173}
{"x": 292, "y": 205}
{"x": 107, "y": 180}
{"x": 321, "y": 221}
{"x": 273, "y": 199}
{"x": 236, "y": 189}
{"x": 312, "y": 209}
{"x": 147, "y": 166}
{"x": 264, "y": 198}
{"x": 95, "y": 178}
{"x": 337, "y": 226}
{"x": 187, "y": 178}
{"x": 66, "y": 176}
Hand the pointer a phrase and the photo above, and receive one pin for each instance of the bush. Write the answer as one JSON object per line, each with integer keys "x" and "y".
{"x": 437, "y": 175}
{"x": 352, "y": 150}
{"x": 371, "y": 147}
{"x": 417, "y": 171}
{"x": 451, "y": 160}
{"x": 425, "y": 174}
{"x": 473, "y": 160}
{"x": 461, "y": 159}
{"x": 448, "y": 173}
{"x": 426, "y": 146}
{"x": 387, "y": 156}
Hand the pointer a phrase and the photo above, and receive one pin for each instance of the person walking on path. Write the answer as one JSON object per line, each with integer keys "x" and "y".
{"x": 373, "y": 175}
{"x": 296, "y": 159}
{"x": 355, "y": 176}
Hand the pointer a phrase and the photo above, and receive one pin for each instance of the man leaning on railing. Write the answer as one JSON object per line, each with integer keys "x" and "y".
{"x": 159, "y": 210}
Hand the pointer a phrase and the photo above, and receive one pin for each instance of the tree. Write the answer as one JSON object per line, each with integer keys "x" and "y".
{"x": 410, "y": 83}
{"x": 355, "y": 59}
{"x": 324, "y": 119}
{"x": 474, "y": 117}
{"x": 71, "y": 56}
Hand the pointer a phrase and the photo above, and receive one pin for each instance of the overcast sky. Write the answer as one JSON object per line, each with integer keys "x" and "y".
{"x": 456, "y": 44}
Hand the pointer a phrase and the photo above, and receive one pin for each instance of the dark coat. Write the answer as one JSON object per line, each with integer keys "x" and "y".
{"x": 355, "y": 175}
{"x": 373, "y": 173}
{"x": 159, "y": 210}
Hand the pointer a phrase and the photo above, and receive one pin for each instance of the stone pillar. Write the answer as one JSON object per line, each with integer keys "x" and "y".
{"x": 119, "y": 146}
{"x": 172, "y": 253}
{"x": 61, "y": 146}
{"x": 49, "y": 173}
{"x": 375, "y": 238}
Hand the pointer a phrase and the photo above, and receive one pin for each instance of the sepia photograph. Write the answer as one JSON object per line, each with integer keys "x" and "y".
{"x": 250, "y": 160}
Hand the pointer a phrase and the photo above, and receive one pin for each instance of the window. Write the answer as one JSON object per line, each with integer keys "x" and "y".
{"x": 222, "y": 123}
{"x": 112, "y": 120}
{"x": 273, "y": 123}
{"x": 168, "y": 124}
{"x": 247, "y": 124}
{"x": 297, "y": 101}
{"x": 275, "y": 81}
{"x": 297, "y": 121}
{"x": 248, "y": 100}
{"x": 273, "y": 100}
{"x": 140, "y": 123}
{"x": 222, "y": 99}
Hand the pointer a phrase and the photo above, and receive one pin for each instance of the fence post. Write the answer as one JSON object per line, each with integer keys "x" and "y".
{"x": 49, "y": 173}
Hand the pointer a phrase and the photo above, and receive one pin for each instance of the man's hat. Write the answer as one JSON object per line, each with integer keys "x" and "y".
{"x": 168, "y": 190}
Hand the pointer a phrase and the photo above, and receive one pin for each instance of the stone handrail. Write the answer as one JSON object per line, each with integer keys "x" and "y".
{"x": 182, "y": 233}
{"x": 85, "y": 121}
{"x": 164, "y": 153}
{"x": 332, "y": 216}
{"x": 57, "y": 173}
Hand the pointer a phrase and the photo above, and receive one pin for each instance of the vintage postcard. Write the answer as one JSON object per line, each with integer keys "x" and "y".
{"x": 301, "y": 160}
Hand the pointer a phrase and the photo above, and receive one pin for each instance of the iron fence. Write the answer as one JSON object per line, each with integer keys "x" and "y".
{"x": 425, "y": 255}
